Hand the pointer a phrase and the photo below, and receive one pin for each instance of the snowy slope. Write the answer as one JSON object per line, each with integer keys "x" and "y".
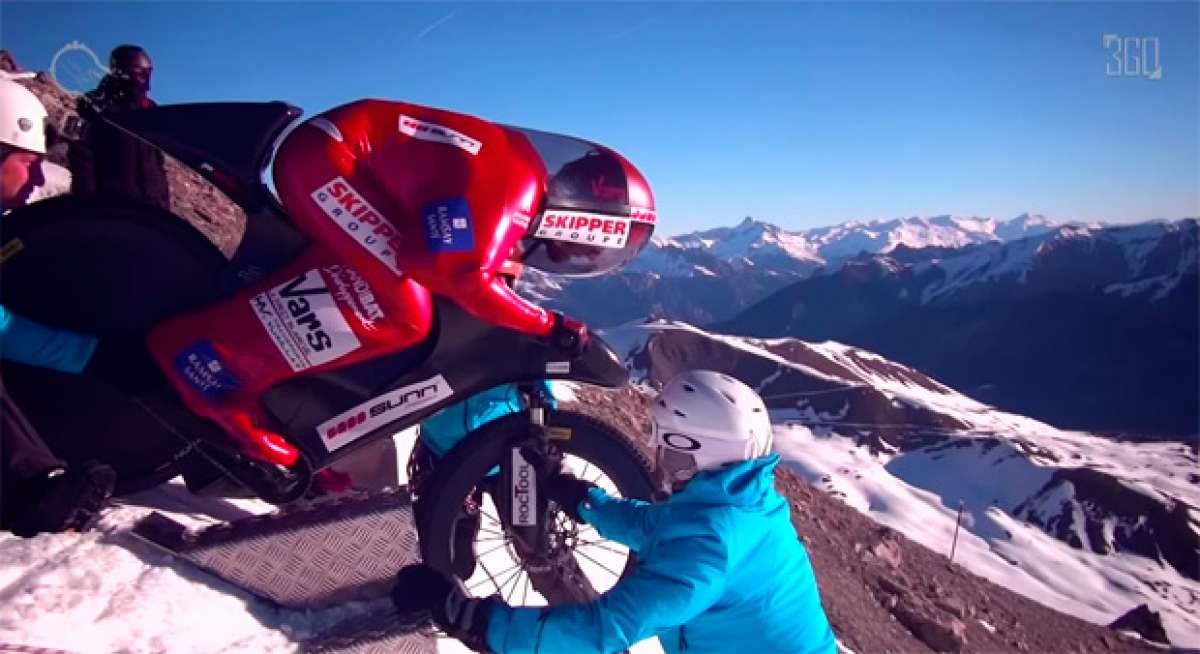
{"x": 1083, "y": 524}
{"x": 107, "y": 591}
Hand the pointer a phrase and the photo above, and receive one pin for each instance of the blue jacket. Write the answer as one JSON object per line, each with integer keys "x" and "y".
{"x": 720, "y": 569}
{"x": 442, "y": 431}
{"x": 26, "y": 341}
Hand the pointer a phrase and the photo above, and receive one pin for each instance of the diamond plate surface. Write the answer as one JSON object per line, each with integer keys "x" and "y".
{"x": 314, "y": 556}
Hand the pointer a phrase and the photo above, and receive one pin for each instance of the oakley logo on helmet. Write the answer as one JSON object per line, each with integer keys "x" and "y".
{"x": 680, "y": 442}
{"x": 584, "y": 228}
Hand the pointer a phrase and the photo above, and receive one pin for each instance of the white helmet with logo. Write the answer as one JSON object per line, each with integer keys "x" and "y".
{"x": 704, "y": 420}
{"x": 22, "y": 118}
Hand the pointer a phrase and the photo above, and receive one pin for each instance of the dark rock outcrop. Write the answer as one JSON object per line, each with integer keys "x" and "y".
{"x": 193, "y": 198}
{"x": 1143, "y": 621}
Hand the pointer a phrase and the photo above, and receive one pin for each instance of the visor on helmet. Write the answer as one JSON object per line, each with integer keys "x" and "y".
{"x": 598, "y": 212}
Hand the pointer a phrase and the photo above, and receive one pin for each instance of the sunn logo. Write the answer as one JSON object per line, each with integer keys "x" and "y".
{"x": 378, "y": 412}
{"x": 349, "y": 423}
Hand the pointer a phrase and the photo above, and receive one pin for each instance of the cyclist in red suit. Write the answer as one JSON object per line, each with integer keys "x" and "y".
{"x": 402, "y": 201}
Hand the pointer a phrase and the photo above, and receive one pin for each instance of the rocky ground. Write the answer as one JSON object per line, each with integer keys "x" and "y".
{"x": 192, "y": 197}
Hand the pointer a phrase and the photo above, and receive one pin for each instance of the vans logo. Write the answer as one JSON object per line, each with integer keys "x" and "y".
{"x": 304, "y": 321}
{"x": 354, "y": 423}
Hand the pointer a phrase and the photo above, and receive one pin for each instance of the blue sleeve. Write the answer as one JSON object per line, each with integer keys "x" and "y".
{"x": 25, "y": 341}
{"x": 548, "y": 391}
{"x": 623, "y": 520}
{"x": 442, "y": 431}
{"x": 684, "y": 579}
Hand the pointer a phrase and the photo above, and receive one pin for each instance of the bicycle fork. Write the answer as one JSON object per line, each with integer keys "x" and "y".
{"x": 524, "y": 505}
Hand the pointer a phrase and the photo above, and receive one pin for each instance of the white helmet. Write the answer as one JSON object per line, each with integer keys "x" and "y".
{"x": 704, "y": 420}
{"x": 22, "y": 118}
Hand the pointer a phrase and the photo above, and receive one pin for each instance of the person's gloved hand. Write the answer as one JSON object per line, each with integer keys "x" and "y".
{"x": 568, "y": 492}
{"x": 568, "y": 335}
{"x": 564, "y": 488}
{"x": 422, "y": 588}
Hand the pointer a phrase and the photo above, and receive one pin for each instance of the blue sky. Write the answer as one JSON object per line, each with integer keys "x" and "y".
{"x": 798, "y": 113}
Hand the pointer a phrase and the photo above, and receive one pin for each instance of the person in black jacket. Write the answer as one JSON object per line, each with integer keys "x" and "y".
{"x": 106, "y": 160}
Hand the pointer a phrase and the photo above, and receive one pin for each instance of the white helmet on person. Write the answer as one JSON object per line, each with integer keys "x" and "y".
{"x": 703, "y": 420}
{"x": 22, "y": 118}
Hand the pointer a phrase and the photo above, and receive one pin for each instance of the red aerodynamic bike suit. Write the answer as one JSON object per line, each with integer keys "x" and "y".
{"x": 400, "y": 201}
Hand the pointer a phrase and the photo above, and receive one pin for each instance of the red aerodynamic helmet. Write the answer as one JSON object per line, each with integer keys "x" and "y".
{"x": 597, "y": 213}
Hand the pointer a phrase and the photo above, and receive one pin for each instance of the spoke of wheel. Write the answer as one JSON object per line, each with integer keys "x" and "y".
{"x": 490, "y": 576}
{"x": 498, "y": 547}
{"x": 606, "y": 568}
{"x": 513, "y": 590}
{"x": 489, "y": 516}
{"x": 525, "y": 589}
{"x": 583, "y": 473}
{"x": 602, "y": 545}
{"x": 514, "y": 576}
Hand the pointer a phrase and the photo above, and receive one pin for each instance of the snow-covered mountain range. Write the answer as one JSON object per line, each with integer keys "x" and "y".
{"x": 712, "y": 274}
{"x": 766, "y": 245}
{"x": 1087, "y": 525}
{"x": 1085, "y": 326}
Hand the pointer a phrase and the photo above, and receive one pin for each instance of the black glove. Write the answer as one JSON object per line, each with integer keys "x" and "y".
{"x": 564, "y": 488}
{"x": 568, "y": 335}
{"x": 568, "y": 492}
{"x": 421, "y": 588}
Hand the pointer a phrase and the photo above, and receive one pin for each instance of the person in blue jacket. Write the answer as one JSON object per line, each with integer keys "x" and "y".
{"x": 719, "y": 565}
{"x": 38, "y": 491}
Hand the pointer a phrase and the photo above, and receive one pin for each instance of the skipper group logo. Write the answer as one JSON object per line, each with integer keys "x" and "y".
{"x": 305, "y": 322}
{"x": 584, "y": 228}
{"x": 351, "y": 211}
{"x": 426, "y": 131}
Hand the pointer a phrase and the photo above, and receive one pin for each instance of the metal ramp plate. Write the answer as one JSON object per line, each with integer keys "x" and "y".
{"x": 306, "y": 557}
